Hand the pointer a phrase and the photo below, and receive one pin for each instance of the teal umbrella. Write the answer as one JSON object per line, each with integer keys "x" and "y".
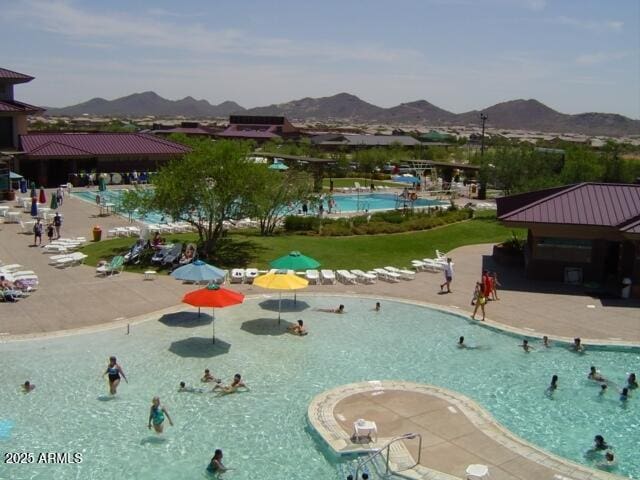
{"x": 294, "y": 261}
{"x": 278, "y": 166}
{"x": 54, "y": 201}
{"x": 102, "y": 185}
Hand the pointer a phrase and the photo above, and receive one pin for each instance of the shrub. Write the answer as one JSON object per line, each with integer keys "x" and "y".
{"x": 294, "y": 223}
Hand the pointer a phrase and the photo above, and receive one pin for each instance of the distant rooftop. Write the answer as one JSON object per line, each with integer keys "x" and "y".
{"x": 97, "y": 144}
{"x": 365, "y": 140}
{"x": 15, "y": 106}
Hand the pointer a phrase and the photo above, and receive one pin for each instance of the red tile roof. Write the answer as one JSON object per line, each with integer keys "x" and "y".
{"x": 15, "y": 76}
{"x": 250, "y": 131}
{"x": 186, "y": 131}
{"x": 97, "y": 144}
{"x": 15, "y": 106}
{"x": 592, "y": 204}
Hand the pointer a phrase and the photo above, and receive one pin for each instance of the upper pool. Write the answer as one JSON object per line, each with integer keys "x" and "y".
{"x": 344, "y": 203}
{"x": 264, "y": 432}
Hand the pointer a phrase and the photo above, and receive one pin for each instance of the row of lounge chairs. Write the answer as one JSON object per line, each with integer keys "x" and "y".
{"x": 64, "y": 245}
{"x": 23, "y": 282}
{"x": 172, "y": 227}
{"x": 124, "y": 231}
{"x": 67, "y": 259}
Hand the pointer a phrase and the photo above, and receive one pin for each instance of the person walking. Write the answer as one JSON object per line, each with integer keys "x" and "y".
{"x": 37, "y": 233}
{"x": 50, "y": 232}
{"x": 448, "y": 276}
{"x": 478, "y": 300}
{"x": 494, "y": 286}
{"x": 57, "y": 223}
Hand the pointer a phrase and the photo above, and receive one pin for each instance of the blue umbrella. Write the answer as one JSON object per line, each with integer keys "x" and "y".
{"x": 23, "y": 185}
{"x": 199, "y": 271}
{"x": 34, "y": 206}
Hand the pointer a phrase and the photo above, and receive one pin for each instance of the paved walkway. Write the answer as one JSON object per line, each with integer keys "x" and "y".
{"x": 75, "y": 297}
{"x": 456, "y": 432}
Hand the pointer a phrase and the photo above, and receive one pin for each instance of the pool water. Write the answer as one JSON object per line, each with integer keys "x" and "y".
{"x": 344, "y": 203}
{"x": 264, "y": 433}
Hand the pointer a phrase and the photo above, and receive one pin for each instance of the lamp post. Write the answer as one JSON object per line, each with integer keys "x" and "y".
{"x": 482, "y": 190}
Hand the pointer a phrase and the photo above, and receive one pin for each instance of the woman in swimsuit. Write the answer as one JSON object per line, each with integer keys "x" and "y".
{"x": 114, "y": 371}
{"x": 215, "y": 465}
{"x": 157, "y": 413}
{"x": 237, "y": 383}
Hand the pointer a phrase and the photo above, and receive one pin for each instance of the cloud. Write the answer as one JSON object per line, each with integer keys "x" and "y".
{"x": 63, "y": 18}
{"x": 536, "y": 5}
{"x": 593, "y": 25}
{"x": 596, "y": 58}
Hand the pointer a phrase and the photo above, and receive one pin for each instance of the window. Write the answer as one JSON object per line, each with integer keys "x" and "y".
{"x": 566, "y": 250}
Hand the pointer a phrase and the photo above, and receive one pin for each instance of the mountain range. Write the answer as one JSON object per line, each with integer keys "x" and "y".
{"x": 514, "y": 115}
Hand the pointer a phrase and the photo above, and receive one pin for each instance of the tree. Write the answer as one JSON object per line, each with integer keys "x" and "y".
{"x": 276, "y": 194}
{"x": 207, "y": 187}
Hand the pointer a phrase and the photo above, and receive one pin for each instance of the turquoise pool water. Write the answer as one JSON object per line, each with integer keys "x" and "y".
{"x": 344, "y": 203}
{"x": 264, "y": 432}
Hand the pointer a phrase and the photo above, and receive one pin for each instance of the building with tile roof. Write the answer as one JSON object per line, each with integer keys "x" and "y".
{"x": 259, "y": 128}
{"x": 589, "y": 232}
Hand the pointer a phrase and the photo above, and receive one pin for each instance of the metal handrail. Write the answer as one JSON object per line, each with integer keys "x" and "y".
{"x": 387, "y": 447}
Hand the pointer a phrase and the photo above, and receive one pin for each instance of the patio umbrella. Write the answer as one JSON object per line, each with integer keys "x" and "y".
{"x": 43, "y": 196}
{"x": 54, "y": 201}
{"x": 198, "y": 271}
{"x": 23, "y": 185}
{"x": 102, "y": 185}
{"x": 294, "y": 261}
{"x": 213, "y": 296}
{"x": 278, "y": 166}
{"x": 33, "y": 189}
{"x": 34, "y": 206}
{"x": 280, "y": 280}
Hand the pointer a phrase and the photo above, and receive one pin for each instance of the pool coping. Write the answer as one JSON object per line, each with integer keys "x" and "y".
{"x": 453, "y": 310}
{"x": 320, "y": 414}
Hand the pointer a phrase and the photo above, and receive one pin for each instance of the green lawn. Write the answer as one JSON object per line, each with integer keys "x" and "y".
{"x": 362, "y": 252}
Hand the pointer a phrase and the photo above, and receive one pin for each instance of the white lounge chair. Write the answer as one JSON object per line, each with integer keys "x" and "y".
{"x": 55, "y": 247}
{"x": 313, "y": 276}
{"x": 12, "y": 267}
{"x": 419, "y": 265}
{"x": 364, "y": 276}
{"x": 439, "y": 254}
{"x": 433, "y": 265}
{"x": 387, "y": 275}
{"x": 237, "y": 275}
{"x": 250, "y": 274}
{"x": 406, "y": 274}
{"x": 327, "y": 276}
{"x": 345, "y": 276}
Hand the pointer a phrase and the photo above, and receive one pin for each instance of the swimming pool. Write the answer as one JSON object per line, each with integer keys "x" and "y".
{"x": 264, "y": 432}
{"x": 344, "y": 203}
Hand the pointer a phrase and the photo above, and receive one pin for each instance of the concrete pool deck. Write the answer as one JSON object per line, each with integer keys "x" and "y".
{"x": 456, "y": 432}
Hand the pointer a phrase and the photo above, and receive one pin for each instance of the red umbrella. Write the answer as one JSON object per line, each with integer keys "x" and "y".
{"x": 43, "y": 196}
{"x": 215, "y": 297}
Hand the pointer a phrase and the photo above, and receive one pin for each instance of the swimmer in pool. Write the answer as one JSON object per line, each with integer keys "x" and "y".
{"x": 595, "y": 375}
{"x": 609, "y": 462}
{"x": 577, "y": 345}
{"x": 624, "y": 395}
{"x": 525, "y": 346}
{"x": 553, "y": 386}
{"x": 157, "y": 414}
{"x": 378, "y": 307}
{"x": 338, "y": 310}
{"x": 603, "y": 389}
{"x": 632, "y": 383}
{"x": 215, "y": 465}
{"x": 208, "y": 377}
{"x": 298, "y": 329}
{"x": 233, "y": 387}
{"x": 545, "y": 342}
{"x": 461, "y": 343}
{"x": 185, "y": 388}
{"x": 599, "y": 443}
{"x": 27, "y": 387}
{"x": 115, "y": 372}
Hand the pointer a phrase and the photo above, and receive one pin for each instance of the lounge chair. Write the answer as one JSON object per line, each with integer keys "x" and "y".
{"x": 433, "y": 265}
{"x": 158, "y": 257}
{"x": 115, "y": 266}
{"x": 387, "y": 275}
{"x": 418, "y": 265}
{"x": 440, "y": 255}
{"x": 173, "y": 255}
{"x": 327, "y": 276}
{"x": 12, "y": 267}
{"x": 237, "y": 275}
{"x": 75, "y": 258}
{"x": 313, "y": 276}
{"x": 55, "y": 247}
{"x": 345, "y": 276}
{"x": 406, "y": 274}
{"x": 133, "y": 255}
{"x": 250, "y": 274}
{"x": 364, "y": 276}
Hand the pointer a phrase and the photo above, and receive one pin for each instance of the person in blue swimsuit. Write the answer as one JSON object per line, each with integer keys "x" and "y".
{"x": 115, "y": 372}
{"x": 157, "y": 414}
{"x": 215, "y": 465}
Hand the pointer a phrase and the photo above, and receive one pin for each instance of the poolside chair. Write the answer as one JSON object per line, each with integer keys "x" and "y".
{"x": 432, "y": 265}
{"x": 173, "y": 255}
{"x": 12, "y": 267}
{"x": 250, "y": 274}
{"x": 313, "y": 276}
{"x": 345, "y": 276}
{"x": 237, "y": 275}
{"x": 327, "y": 276}
{"x": 54, "y": 248}
{"x": 439, "y": 254}
{"x": 387, "y": 275}
{"x": 158, "y": 257}
{"x": 27, "y": 227}
{"x": 115, "y": 266}
{"x": 418, "y": 265}
{"x": 357, "y": 186}
{"x": 405, "y": 274}
{"x": 364, "y": 276}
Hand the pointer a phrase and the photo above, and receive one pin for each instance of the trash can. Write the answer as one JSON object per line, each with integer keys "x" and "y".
{"x": 97, "y": 233}
{"x": 626, "y": 288}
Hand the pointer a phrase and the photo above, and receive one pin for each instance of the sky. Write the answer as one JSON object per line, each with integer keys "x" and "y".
{"x": 573, "y": 55}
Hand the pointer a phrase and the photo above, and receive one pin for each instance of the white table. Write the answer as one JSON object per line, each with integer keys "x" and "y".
{"x": 3, "y": 210}
{"x": 364, "y": 428}
{"x": 150, "y": 275}
{"x": 106, "y": 208}
{"x": 13, "y": 217}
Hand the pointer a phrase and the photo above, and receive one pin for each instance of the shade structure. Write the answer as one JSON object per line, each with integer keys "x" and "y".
{"x": 54, "y": 201}
{"x": 294, "y": 261}
{"x": 198, "y": 271}
{"x": 34, "y": 206}
{"x": 213, "y": 296}
{"x": 280, "y": 280}
{"x": 43, "y": 196}
{"x": 15, "y": 176}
